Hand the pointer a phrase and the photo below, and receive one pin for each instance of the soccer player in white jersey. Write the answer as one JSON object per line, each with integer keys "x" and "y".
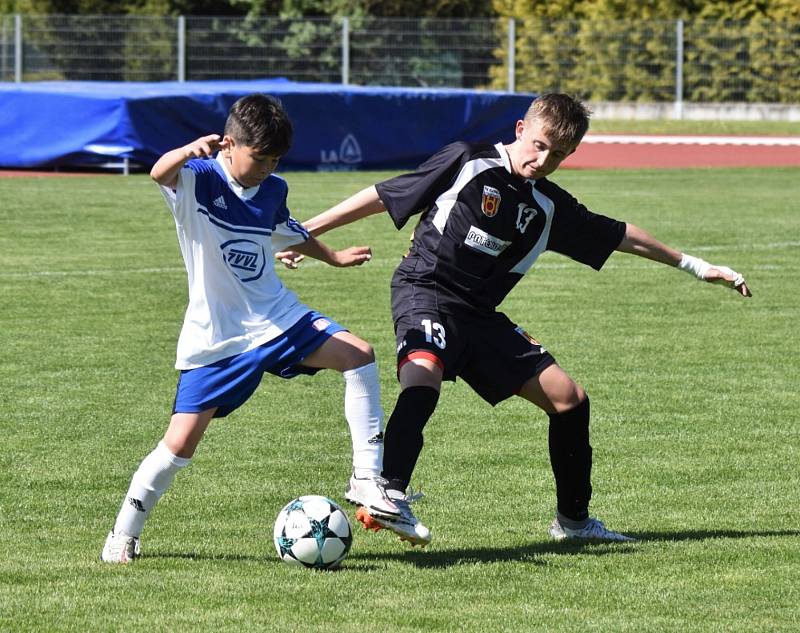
{"x": 486, "y": 214}
{"x": 231, "y": 216}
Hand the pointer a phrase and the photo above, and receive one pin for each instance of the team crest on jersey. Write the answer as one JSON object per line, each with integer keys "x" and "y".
{"x": 321, "y": 324}
{"x": 244, "y": 258}
{"x": 530, "y": 339}
{"x": 490, "y": 202}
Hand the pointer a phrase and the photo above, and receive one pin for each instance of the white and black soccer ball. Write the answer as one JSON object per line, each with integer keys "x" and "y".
{"x": 312, "y": 531}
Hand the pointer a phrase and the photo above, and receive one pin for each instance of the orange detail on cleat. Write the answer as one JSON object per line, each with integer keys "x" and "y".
{"x": 363, "y": 517}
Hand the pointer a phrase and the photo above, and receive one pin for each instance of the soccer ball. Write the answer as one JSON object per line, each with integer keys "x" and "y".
{"x": 312, "y": 531}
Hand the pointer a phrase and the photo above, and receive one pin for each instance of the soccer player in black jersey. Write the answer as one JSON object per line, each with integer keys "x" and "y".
{"x": 486, "y": 213}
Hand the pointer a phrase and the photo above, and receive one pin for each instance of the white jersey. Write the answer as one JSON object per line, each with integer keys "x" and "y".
{"x": 227, "y": 236}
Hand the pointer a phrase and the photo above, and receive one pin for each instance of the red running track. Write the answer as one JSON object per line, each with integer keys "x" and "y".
{"x": 627, "y": 152}
{"x": 599, "y": 151}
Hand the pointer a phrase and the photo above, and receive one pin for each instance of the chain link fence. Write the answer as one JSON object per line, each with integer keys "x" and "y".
{"x": 637, "y": 61}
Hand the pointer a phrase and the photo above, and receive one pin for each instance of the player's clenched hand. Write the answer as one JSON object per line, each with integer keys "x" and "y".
{"x": 353, "y": 256}
{"x": 701, "y": 269}
{"x": 728, "y": 277}
{"x": 204, "y": 147}
{"x": 290, "y": 259}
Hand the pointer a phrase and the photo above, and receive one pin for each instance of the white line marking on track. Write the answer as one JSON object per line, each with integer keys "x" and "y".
{"x": 630, "y": 139}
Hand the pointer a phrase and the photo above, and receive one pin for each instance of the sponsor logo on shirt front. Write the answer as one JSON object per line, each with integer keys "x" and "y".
{"x": 482, "y": 241}
{"x": 490, "y": 201}
{"x": 244, "y": 258}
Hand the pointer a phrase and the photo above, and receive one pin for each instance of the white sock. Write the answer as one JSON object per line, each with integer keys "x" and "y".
{"x": 154, "y": 476}
{"x": 362, "y": 408}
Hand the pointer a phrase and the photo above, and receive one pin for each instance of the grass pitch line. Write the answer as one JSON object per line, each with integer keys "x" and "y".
{"x": 746, "y": 246}
{"x": 90, "y": 273}
{"x": 376, "y": 262}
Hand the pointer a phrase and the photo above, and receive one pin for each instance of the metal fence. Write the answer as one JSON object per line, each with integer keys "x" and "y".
{"x": 653, "y": 61}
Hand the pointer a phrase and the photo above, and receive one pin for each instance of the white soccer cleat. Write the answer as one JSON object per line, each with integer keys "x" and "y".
{"x": 594, "y": 530}
{"x": 120, "y": 548}
{"x": 406, "y": 526}
{"x": 370, "y": 493}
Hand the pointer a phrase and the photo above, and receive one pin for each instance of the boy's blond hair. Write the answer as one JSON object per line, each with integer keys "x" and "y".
{"x": 564, "y": 118}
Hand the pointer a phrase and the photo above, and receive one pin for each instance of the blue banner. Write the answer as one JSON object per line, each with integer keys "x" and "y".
{"x": 336, "y": 127}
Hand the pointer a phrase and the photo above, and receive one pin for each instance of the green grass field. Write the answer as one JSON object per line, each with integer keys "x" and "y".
{"x": 695, "y": 429}
{"x": 686, "y": 126}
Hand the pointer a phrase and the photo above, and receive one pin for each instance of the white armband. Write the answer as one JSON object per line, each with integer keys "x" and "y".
{"x": 694, "y": 266}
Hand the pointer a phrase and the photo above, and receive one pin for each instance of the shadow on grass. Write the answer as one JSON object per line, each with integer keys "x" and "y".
{"x": 536, "y": 553}
{"x": 227, "y": 558}
{"x": 704, "y": 535}
{"x": 533, "y": 553}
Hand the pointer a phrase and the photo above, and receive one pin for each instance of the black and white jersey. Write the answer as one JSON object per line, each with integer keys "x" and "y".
{"x": 482, "y": 228}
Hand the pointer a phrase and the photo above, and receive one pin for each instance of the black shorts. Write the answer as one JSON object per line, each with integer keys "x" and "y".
{"x": 494, "y": 356}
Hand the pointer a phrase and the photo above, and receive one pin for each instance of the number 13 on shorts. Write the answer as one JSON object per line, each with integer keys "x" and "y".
{"x": 434, "y": 333}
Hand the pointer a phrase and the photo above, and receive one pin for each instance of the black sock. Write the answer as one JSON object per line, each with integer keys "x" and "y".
{"x": 403, "y": 441}
{"x": 571, "y": 459}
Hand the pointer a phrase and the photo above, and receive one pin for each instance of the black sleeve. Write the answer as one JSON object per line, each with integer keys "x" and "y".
{"x": 414, "y": 192}
{"x": 576, "y": 232}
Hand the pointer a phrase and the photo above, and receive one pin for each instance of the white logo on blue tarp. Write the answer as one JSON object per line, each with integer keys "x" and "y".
{"x": 245, "y": 258}
{"x": 344, "y": 159}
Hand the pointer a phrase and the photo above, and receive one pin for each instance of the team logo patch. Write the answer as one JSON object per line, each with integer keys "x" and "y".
{"x": 482, "y": 241}
{"x": 490, "y": 201}
{"x": 321, "y": 324}
{"x": 245, "y": 259}
{"x": 530, "y": 339}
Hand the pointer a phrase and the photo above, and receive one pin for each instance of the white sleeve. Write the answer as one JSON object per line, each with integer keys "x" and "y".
{"x": 176, "y": 199}
{"x": 170, "y": 197}
{"x": 288, "y": 233}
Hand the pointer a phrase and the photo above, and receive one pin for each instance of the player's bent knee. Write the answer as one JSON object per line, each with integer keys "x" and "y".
{"x": 363, "y": 354}
{"x": 185, "y": 431}
{"x": 570, "y": 399}
{"x": 357, "y": 353}
{"x": 420, "y": 373}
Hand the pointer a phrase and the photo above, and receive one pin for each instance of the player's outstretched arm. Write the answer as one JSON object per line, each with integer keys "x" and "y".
{"x": 165, "y": 171}
{"x": 353, "y": 256}
{"x": 639, "y": 242}
{"x": 360, "y": 205}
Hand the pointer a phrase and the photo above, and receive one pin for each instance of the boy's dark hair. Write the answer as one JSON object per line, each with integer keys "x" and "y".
{"x": 259, "y": 121}
{"x": 564, "y": 118}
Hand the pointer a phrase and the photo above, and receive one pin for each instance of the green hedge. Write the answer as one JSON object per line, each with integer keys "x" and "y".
{"x": 734, "y": 50}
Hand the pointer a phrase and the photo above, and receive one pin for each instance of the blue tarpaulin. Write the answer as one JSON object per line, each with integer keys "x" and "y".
{"x": 47, "y": 124}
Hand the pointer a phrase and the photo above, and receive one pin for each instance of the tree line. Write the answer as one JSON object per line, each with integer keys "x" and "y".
{"x": 732, "y": 50}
